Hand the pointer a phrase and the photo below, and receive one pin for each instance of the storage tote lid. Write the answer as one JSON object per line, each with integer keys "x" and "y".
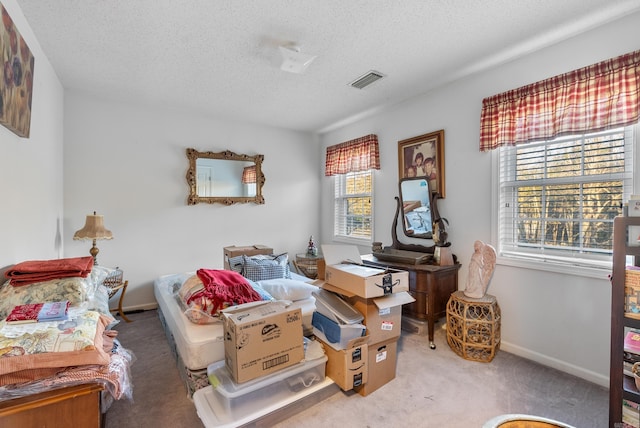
{"x": 335, "y": 308}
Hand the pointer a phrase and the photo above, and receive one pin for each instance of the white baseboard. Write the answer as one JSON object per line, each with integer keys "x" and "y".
{"x": 556, "y": 364}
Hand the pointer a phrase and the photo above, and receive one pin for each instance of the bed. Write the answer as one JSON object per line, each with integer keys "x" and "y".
{"x": 196, "y": 346}
{"x": 47, "y": 365}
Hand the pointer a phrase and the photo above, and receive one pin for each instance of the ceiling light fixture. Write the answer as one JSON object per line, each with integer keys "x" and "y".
{"x": 294, "y": 61}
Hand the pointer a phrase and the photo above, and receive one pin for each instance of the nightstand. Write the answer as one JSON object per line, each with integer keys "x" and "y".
{"x": 114, "y": 284}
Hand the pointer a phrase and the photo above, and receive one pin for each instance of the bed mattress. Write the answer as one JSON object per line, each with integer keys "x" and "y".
{"x": 197, "y": 345}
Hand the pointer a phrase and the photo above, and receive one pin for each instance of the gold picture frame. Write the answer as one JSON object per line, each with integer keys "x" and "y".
{"x": 423, "y": 156}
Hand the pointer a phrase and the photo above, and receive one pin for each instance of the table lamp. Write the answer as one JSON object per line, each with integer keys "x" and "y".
{"x": 93, "y": 229}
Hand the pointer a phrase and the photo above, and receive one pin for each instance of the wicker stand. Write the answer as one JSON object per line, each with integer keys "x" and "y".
{"x": 473, "y": 326}
{"x": 307, "y": 265}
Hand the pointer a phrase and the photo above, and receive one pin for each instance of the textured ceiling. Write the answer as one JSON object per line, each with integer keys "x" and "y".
{"x": 221, "y": 58}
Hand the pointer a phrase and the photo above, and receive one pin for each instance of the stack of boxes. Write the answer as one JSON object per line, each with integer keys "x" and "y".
{"x": 368, "y": 362}
{"x": 267, "y": 361}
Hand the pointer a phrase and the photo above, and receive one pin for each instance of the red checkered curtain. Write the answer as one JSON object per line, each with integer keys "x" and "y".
{"x": 249, "y": 174}
{"x": 356, "y": 155}
{"x": 590, "y": 99}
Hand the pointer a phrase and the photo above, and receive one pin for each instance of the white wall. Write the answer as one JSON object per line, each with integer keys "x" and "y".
{"x": 128, "y": 163}
{"x": 31, "y": 172}
{"x": 559, "y": 320}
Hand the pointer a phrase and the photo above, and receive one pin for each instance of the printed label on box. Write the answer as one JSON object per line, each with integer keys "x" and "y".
{"x": 381, "y": 356}
{"x": 387, "y": 325}
{"x": 384, "y": 311}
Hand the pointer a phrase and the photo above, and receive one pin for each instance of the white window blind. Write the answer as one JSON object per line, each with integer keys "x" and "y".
{"x": 353, "y": 218}
{"x": 558, "y": 198}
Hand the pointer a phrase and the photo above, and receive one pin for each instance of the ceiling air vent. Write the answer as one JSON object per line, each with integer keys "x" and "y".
{"x": 366, "y": 79}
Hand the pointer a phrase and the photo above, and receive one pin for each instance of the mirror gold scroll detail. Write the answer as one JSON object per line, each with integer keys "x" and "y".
{"x": 224, "y": 178}
{"x": 417, "y": 215}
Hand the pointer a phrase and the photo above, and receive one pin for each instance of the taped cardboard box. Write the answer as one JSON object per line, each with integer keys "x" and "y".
{"x": 247, "y": 250}
{"x": 382, "y": 315}
{"x": 261, "y": 338}
{"x": 381, "y": 366}
{"x": 344, "y": 269}
{"x": 347, "y": 367}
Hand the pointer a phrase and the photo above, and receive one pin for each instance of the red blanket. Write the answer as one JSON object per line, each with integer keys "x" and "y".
{"x": 225, "y": 287}
{"x": 45, "y": 270}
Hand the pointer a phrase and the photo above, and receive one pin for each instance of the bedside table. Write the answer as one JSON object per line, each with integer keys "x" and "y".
{"x": 114, "y": 283}
{"x": 307, "y": 264}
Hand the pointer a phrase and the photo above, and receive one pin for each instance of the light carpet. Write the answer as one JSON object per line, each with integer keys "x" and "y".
{"x": 432, "y": 388}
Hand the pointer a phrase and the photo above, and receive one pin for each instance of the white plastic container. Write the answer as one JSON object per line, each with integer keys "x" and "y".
{"x": 205, "y": 402}
{"x": 335, "y": 308}
{"x": 231, "y": 400}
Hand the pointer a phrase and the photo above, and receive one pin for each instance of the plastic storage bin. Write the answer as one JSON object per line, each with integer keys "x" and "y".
{"x": 335, "y": 308}
{"x": 337, "y": 334}
{"x": 232, "y": 400}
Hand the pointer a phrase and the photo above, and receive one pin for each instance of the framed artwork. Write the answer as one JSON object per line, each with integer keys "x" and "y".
{"x": 16, "y": 84}
{"x": 423, "y": 156}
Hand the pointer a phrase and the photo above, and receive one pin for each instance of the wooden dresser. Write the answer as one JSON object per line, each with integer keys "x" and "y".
{"x": 73, "y": 406}
{"x": 431, "y": 286}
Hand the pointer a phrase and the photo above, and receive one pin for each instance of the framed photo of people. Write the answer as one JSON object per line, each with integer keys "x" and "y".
{"x": 423, "y": 156}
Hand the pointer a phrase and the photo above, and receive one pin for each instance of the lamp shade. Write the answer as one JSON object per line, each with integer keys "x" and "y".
{"x": 93, "y": 229}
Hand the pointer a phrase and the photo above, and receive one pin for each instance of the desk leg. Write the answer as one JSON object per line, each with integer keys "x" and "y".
{"x": 431, "y": 319}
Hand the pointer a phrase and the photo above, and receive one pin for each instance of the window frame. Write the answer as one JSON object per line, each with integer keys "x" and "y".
{"x": 340, "y": 180}
{"x": 567, "y": 263}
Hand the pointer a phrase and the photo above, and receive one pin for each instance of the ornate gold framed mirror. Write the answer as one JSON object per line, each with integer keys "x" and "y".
{"x": 225, "y": 178}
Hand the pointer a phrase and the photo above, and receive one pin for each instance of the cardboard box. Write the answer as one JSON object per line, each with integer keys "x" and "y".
{"x": 381, "y": 366}
{"x": 348, "y": 367}
{"x": 248, "y": 250}
{"x": 345, "y": 270}
{"x": 382, "y": 315}
{"x": 261, "y": 338}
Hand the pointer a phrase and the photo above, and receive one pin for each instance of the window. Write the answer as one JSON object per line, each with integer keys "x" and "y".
{"x": 353, "y": 219}
{"x": 558, "y": 198}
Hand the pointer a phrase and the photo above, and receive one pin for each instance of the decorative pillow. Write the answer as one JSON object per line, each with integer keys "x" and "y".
{"x": 288, "y": 289}
{"x": 266, "y": 267}
{"x": 236, "y": 263}
{"x": 264, "y": 294}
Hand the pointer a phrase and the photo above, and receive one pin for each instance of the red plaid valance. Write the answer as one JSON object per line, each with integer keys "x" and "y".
{"x": 249, "y": 174}
{"x": 356, "y": 155}
{"x": 590, "y": 99}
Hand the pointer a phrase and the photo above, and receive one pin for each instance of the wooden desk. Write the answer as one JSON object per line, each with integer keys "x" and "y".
{"x": 430, "y": 285}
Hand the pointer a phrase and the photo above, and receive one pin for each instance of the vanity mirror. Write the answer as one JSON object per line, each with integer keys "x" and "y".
{"x": 225, "y": 178}
{"x": 417, "y": 210}
{"x": 415, "y": 198}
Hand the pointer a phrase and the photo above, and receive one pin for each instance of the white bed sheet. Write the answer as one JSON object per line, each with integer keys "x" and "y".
{"x": 201, "y": 345}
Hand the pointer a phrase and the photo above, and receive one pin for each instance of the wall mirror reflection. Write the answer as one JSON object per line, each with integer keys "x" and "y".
{"x": 415, "y": 199}
{"x": 225, "y": 177}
